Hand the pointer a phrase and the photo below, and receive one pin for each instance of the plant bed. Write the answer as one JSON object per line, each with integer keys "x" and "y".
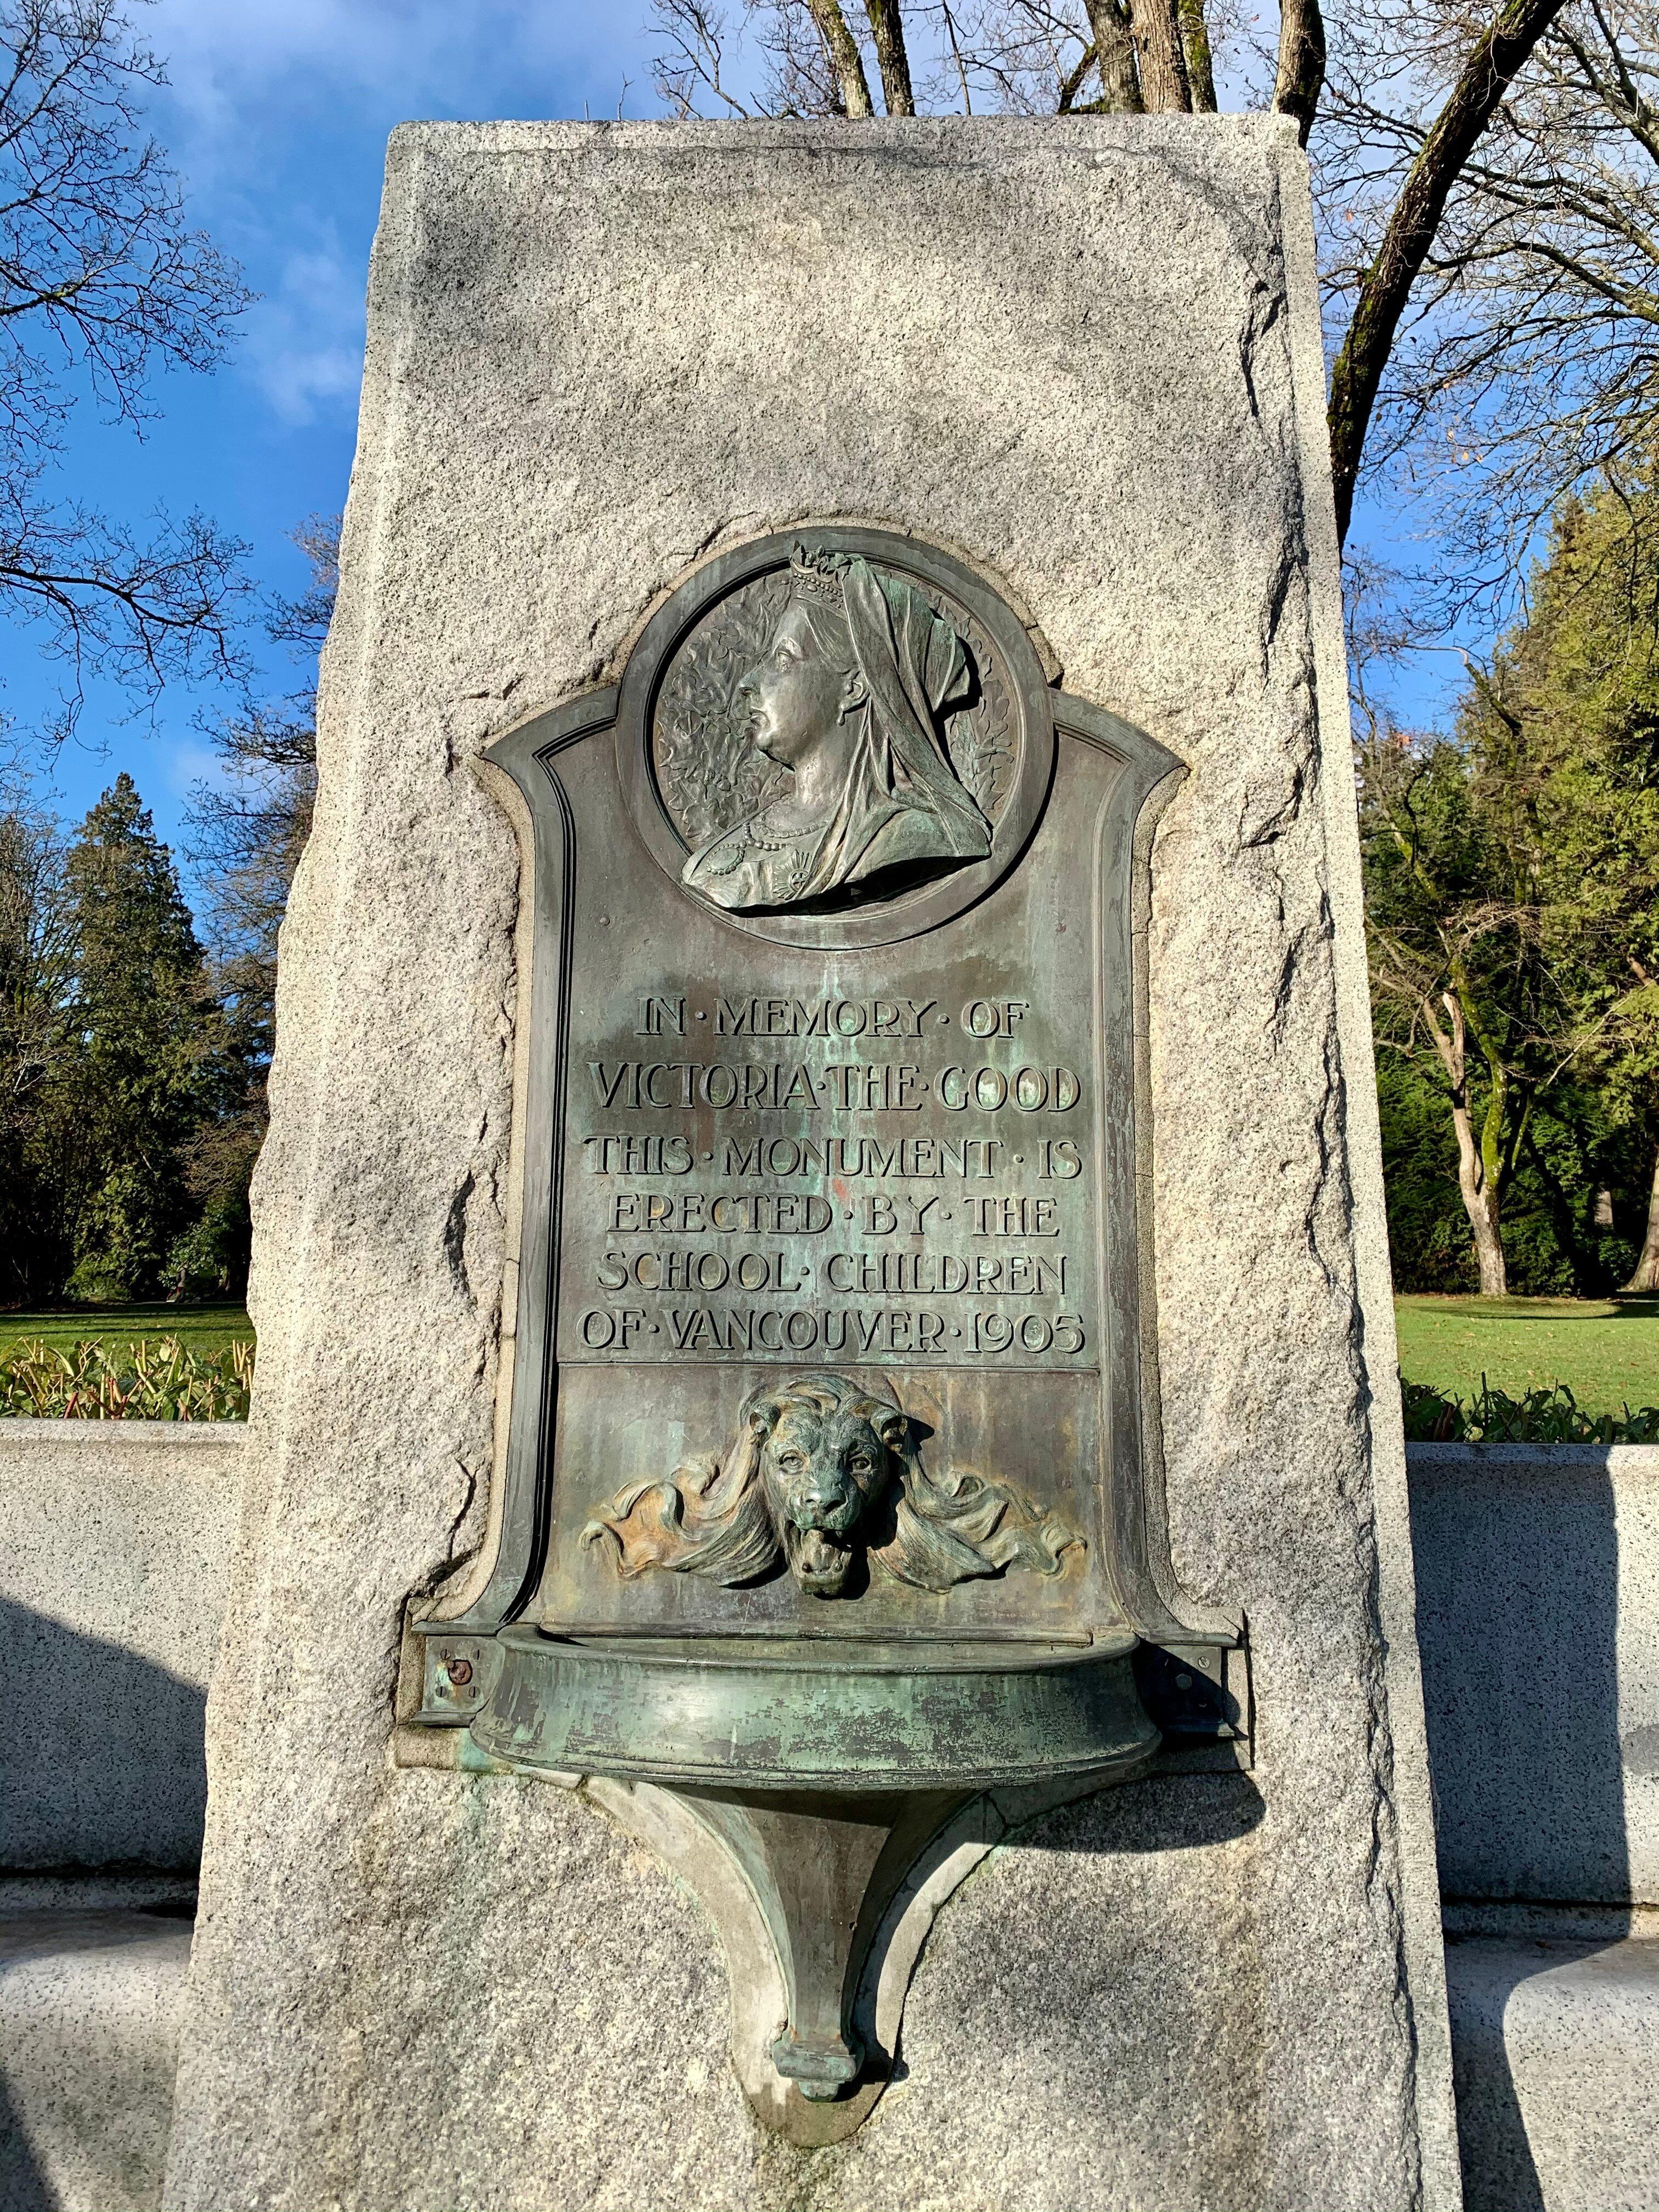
{"x": 153, "y": 1379}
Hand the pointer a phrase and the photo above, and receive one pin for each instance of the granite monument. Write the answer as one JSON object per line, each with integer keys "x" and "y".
{"x": 821, "y": 1279}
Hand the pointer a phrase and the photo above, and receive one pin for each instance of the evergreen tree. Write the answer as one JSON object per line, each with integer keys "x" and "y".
{"x": 151, "y": 1065}
{"x": 38, "y": 1042}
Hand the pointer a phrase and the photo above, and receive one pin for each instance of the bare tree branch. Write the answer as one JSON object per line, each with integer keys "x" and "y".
{"x": 1528, "y": 358}
{"x": 844, "y": 57}
{"x": 1073, "y": 83}
{"x": 100, "y": 277}
{"x": 1300, "y": 77}
{"x": 887, "y": 29}
{"x": 691, "y": 55}
{"x": 1485, "y": 78}
{"x": 949, "y": 15}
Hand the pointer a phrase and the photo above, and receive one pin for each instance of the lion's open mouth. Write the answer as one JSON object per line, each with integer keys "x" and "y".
{"x": 820, "y": 1563}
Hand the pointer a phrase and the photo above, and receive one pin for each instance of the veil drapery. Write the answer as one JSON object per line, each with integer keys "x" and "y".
{"x": 915, "y": 671}
{"x": 901, "y": 804}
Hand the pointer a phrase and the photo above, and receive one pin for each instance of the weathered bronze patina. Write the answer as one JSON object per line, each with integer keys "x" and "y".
{"x": 831, "y": 1488}
{"x": 850, "y": 699}
{"x": 826, "y": 1473}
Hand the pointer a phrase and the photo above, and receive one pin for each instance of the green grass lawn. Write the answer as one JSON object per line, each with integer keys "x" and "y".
{"x": 198, "y": 1327}
{"x": 1605, "y": 1350}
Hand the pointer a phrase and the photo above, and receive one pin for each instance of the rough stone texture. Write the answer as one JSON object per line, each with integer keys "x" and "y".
{"x": 88, "y": 2041}
{"x": 1084, "y": 353}
{"x": 113, "y": 1580}
{"x": 1538, "y": 1616}
{"x": 1556, "y": 2044}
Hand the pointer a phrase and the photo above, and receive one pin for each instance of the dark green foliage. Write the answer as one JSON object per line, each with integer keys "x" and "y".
{"x": 1574, "y": 1161}
{"x": 36, "y": 1040}
{"x": 1542, "y": 1417}
{"x": 1428, "y": 1234}
{"x": 121, "y": 1063}
{"x": 148, "y": 1036}
{"x": 1512, "y": 893}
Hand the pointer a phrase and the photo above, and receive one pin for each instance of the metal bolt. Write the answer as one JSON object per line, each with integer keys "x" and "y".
{"x": 461, "y": 1672}
{"x": 1183, "y": 1682}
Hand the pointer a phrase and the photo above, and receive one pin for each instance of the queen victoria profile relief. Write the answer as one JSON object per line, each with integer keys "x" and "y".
{"x": 851, "y": 694}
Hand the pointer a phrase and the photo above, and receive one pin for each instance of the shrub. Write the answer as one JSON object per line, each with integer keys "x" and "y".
{"x": 157, "y": 1379}
{"x": 1542, "y": 1417}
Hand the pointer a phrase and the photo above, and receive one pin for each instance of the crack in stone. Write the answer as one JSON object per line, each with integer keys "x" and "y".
{"x": 455, "y": 1237}
{"x": 460, "y": 1522}
{"x": 1257, "y": 324}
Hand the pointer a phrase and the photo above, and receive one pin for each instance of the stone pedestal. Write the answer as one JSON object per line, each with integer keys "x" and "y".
{"x": 1082, "y": 358}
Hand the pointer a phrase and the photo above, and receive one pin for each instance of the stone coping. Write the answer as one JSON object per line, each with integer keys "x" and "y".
{"x": 25, "y": 1429}
{"x": 1611, "y": 1459}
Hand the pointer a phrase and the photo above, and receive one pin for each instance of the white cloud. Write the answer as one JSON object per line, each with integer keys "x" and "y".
{"x": 303, "y": 343}
{"x": 187, "y": 761}
{"x": 277, "y": 112}
{"x": 230, "y": 66}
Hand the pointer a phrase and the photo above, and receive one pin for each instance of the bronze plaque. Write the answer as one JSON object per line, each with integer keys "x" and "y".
{"x": 830, "y": 1294}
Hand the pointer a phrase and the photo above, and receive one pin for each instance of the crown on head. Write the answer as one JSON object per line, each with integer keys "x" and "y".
{"x": 816, "y": 576}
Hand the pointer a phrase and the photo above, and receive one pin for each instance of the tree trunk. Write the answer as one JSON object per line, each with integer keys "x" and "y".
{"x": 1115, "y": 48}
{"x": 1482, "y": 1205}
{"x": 1301, "y": 74}
{"x": 1486, "y": 77}
{"x": 888, "y": 28}
{"x": 1195, "y": 45}
{"x": 1157, "y": 31}
{"x": 844, "y": 57}
{"x": 1480, "y": 1196}
{"x": 1646, "y": 1278}
{"x": 1479, "y": 1189}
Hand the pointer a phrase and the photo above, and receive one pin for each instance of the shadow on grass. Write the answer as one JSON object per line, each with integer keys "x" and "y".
{"x": 1595, "y": 1310}
{"x": 203, "y": 1328}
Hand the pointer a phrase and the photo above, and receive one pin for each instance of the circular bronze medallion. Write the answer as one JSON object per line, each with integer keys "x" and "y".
{"x": 835, "y": 737}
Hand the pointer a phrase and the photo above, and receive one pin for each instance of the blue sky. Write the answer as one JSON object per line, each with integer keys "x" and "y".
{"x": 276, "y": 117}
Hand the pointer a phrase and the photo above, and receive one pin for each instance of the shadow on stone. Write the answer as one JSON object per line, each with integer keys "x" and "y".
{"x": 24, "y": 2186}
{"x": 1517, "y": 1564}
{"x": 103, "y": 1767}
{"x": 88, "y": 2048}
{"x": 104, "y": 1761}
{"x": 1164, "y": 1813}
{"x": 1499, "y": 2171}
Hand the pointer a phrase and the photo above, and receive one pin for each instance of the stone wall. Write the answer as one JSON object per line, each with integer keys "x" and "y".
{"x": 113, "y": 1579}
{"x": 1538, "y": 1612}
{"x": 1084, "y": 356}
{"x": 1537, "y": 1569}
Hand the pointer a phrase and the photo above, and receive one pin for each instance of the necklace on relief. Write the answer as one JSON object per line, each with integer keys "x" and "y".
{"x": 781, "y": 842}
